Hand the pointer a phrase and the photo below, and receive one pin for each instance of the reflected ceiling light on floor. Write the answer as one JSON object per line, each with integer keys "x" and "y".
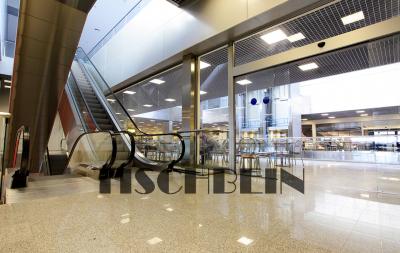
{"x": 364, "y": 115}
{"x": 157, "y": 81}
{"x": 204, "y": 65}
{"x": 154, "y": 241}
{"x": 360, "y": 111}
{"x": 245, "y": 241}
{"x": 244, "y": 82}
{"x": 308, "y": 66}
{"x": 296, "y": 37}
{"x": 274, "y": 37}
{"x": 203, "y": 92}
{"x": 129, "y": 92}
{"x": 111, "y": 100}
{"x": 353, "y": 18}
{"x": 325, "y": 114}
{"x": 126, "y": 220}
{"x": 169, "y": 209}
{"x": 331, "y": 117}
{"x": 146, "y": 105}
{"x": 131, "y": 110}
{"x": 170, "y": 100}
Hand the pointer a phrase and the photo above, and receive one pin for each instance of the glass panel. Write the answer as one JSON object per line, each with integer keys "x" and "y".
{"x": 337, "y": 107}
{"x": 214, "y": 112}
{"x": 90, "y": 153}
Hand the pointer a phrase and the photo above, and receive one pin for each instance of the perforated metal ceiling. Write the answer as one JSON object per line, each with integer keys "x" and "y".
{"x": 316, "y": 26}
{"x": 377, "y": 53}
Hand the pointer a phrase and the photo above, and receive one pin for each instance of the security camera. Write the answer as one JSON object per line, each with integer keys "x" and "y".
{"x": 321, "y": 44}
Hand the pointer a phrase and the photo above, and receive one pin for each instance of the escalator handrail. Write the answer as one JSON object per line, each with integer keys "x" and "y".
{"x": 24, "y": 130}
{"x": 109, "y": 162}
{"x": 128, "y": 115}
{"x": 84, "y": 101}
{"x": 133, "y": 145}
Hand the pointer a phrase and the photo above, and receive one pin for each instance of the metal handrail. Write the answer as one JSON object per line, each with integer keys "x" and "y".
{"x": 84, "y": 101}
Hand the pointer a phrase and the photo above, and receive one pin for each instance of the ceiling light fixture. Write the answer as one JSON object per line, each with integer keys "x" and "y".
{"x": 304, "y": 119}
{"x": 7, "y": 81}
{"x": 157, "y": 81}
{"x": 129, "y": 92}
{"x": 131, "y": 110}
{"x": 308, "y": 66}
{"x": 111, "y": 100}
{"x": 244, "y": 82}
{"x": 331, "y": 117}
{"x": 147, "y": 105}
{"x": 274, "y": 37}
{"x": 353, "y": 18}
{"x": 360, "y": 111}
{"x": 203, "y": 92}
{"x": 364, "y": 115}
{"x": 170, "y": 100}
{"x": 7, "y": 86}
{"x": 204, "y": 65}
{"x": 325, "y": 114}
{"x": 296, "y": 37}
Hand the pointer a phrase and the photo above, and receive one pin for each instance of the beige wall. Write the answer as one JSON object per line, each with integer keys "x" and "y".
{"x": 161, "y": 30}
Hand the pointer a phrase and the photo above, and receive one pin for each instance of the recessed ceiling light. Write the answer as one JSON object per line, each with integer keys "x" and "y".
{"x": 204, "y": 65}
{"x": 244, "y": 82}
{"x": 157, "y": 81}
{"x": 7, "y": 86}
{"x": 245, "y": 241}
{"x": 331, "y": 117}
{"x": 360, "y": 111}
{"x": 203, "y": 92}
{"x": 296, "y": 37}
{"x": 364, "y": 115}
{"x": 129, "y": 92}
{"x": 111, "y": 100}
{"x": 325, "y": 114}
{"x": 274, "y": 37}
{"x": 353, "y": 18}
{"x": 131, "y": 110}
{"x": 170, "y": 100}
{"x": 304, "y": 119}
{"x": 118, "y": 113}
{"x": 308, "y": 66}
{"x": 146, "y": 105}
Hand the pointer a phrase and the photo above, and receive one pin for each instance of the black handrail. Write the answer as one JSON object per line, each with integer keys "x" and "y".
{"x": 84, "y": 101}
{"x": 109, "y": 162}
{"x": 174, "y": 162}
{"x": 19, "y": 179}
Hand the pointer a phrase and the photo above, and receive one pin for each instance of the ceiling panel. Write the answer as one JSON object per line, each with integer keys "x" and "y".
{"x": 316, "y": 26}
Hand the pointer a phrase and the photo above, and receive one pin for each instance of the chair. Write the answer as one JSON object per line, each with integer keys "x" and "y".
{"x": 247, "y": 148}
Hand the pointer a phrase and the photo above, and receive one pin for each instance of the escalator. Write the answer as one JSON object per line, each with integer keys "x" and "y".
{"x": 98, "y": 110}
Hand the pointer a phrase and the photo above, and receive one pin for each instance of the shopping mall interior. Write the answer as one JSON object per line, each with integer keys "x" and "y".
{"x": 200, "y": 126}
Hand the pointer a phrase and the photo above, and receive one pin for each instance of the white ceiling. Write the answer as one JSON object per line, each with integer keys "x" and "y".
{"x": 104, "y": 15}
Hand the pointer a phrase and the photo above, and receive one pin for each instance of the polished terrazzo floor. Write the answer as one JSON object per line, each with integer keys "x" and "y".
{"x": 341, "y": 211}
